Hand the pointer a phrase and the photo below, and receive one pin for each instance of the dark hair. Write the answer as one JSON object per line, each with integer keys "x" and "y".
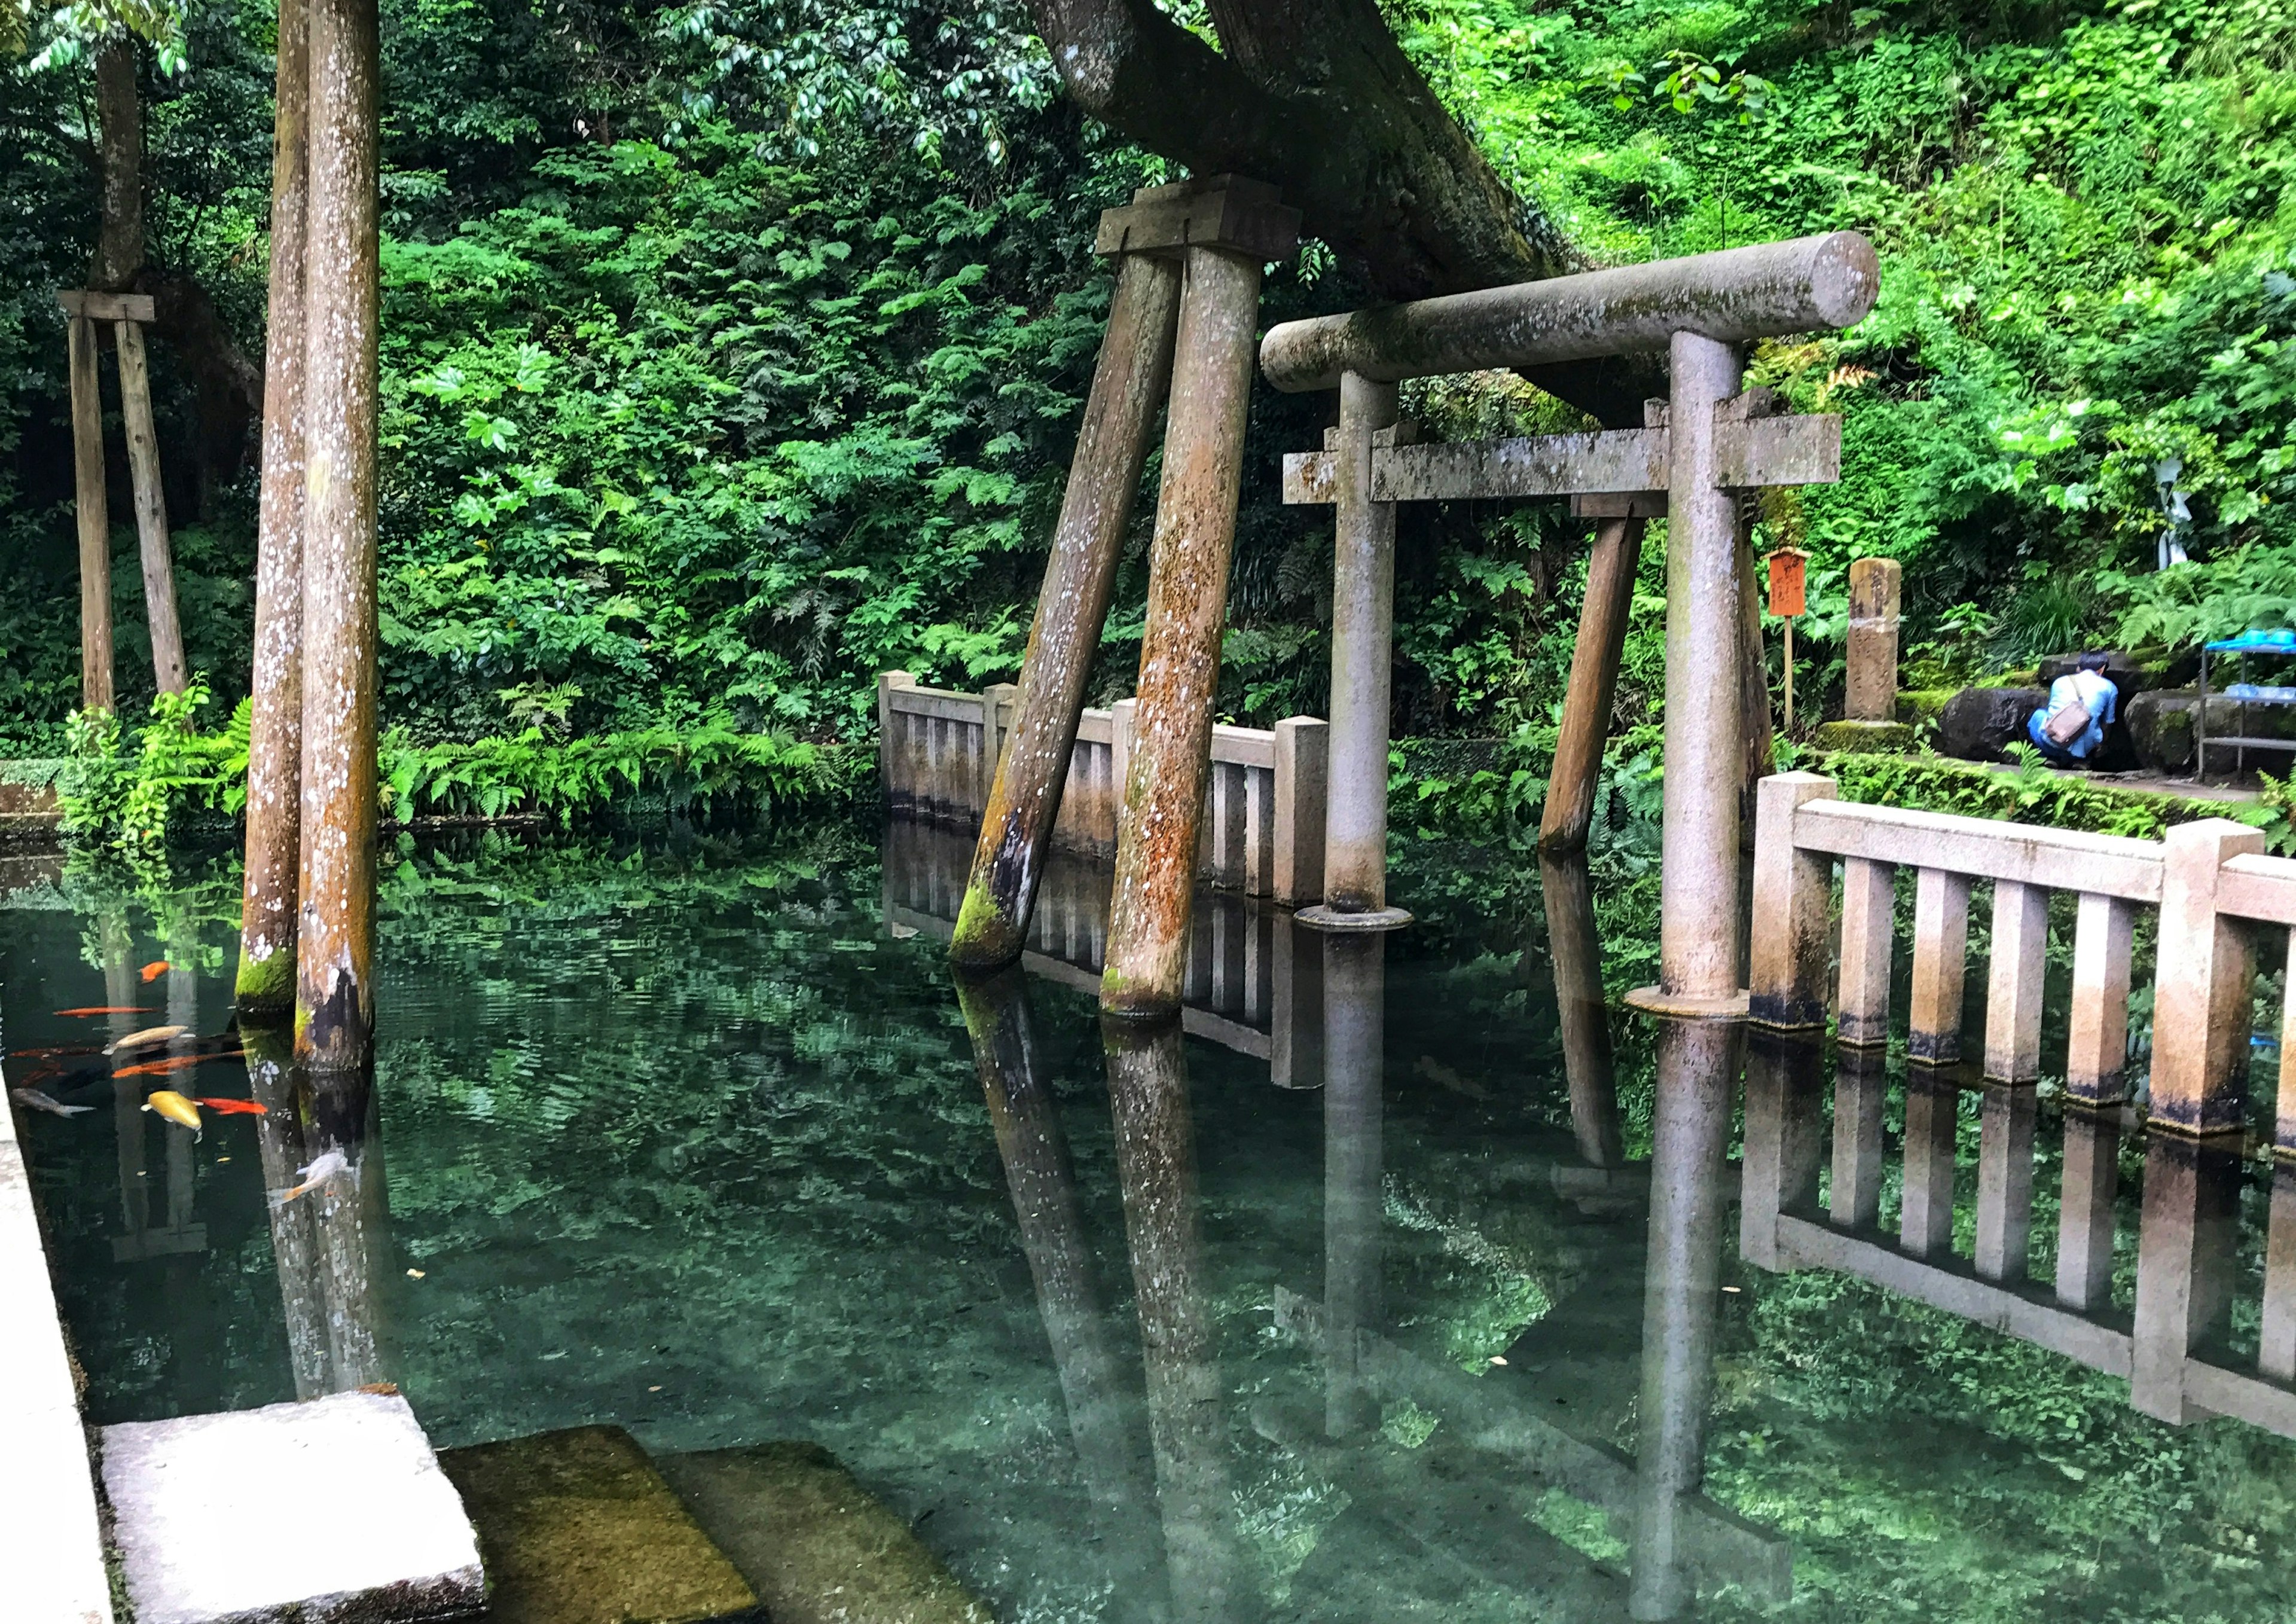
{"x": 2092, "y": 663}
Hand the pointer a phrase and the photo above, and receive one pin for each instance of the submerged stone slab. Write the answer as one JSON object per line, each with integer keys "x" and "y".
{"x": 578, "y": 1528}
{"x": 820, "y": 1549}
{"x": 304, "y": 1514}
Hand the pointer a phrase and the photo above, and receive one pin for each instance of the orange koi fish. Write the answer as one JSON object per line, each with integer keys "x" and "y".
{"x": 154, "y": 971}
{"x": 236, "y": 1108}
{"x": 110, "y": 1009}
{"x": 176, "y": 1108}
{"x": 168, "y": 1067}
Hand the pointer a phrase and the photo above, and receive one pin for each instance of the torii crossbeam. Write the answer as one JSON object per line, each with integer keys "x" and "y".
{"x": 1699, "y": 447}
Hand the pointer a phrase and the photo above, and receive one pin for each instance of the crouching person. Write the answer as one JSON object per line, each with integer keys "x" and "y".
{"x": 2082, "y": 704}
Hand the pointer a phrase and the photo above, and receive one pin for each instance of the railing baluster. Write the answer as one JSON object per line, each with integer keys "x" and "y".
{"x": 1940, "y": 954}
{"x": 2096, "y": 1056}
{"x": 2275, "y": 1343}
{"x": 2004, "y": 1181}
{"x": 1932, "y": 1119}
{"x": 1860, "y": 1084}
{"x": 2012, "y": 1002}
{"x": 1869, "y": 896}
{"x": 2092, "y": 1177}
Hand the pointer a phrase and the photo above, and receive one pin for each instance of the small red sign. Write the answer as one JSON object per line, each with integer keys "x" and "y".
{"x": 1786, "y": 582}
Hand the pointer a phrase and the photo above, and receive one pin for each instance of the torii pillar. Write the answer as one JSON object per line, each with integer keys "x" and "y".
{"x": 1697, "y": 448}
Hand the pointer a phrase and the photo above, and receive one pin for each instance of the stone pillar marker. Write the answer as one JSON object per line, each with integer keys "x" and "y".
{"x": 1873, "y": 590}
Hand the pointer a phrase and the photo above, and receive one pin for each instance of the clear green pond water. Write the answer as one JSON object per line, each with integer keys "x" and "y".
{"x": 690, "y": 1134}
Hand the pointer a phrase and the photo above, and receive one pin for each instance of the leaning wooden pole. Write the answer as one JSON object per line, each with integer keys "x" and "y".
{"x": 274, "y": 742}
{"x": 167, "y": 669}
{"x": 94, "y": 521}
{"x": 1130, "y": 384}
{"x": 334, "y": 990}
{"x": 1170, "y": 755}
{"x": 1602, "y": 620}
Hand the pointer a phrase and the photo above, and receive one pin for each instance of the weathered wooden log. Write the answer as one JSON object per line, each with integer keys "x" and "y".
{"x": 1731, "y": 296}
{"x": 334, "y": 997}
{"x": 1609, "y": 604}
{"x": 167, "y": 669}
{"x": 265, "y": 985}
{"x": 1574, "y": 950}
{"x": 94, "y": 517}
{"x": 1170, "y": 751}
{"x": 1131, "y": 382}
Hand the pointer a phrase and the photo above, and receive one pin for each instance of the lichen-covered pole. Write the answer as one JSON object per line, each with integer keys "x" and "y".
{"x": 334, "y": 996}
{"x": 1362, "y": 625}
{"x": 1170, "y": 754}
{"x": 1602, "y": 619}
{"x": 274, "y": 744}
{"x": 1134, "y": 374}
{"x": 1698, "y": 902}
{"x": 90, "y": 499}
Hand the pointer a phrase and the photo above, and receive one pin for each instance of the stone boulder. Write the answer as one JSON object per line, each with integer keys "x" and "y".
{"x": 2160, "y": 724}
{"x": 2125, "y": 673}
{"x": 1979, "y": 723}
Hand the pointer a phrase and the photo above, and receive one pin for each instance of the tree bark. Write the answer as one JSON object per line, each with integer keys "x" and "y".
{"x": 119, "y": 152}
{"x": 1317, "y": 98}
{"x": 335, "y": 990}
{"x": 275, "y": 748}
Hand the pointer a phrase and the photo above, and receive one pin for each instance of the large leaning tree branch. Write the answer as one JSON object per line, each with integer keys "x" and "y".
{"x": 1317, "y": 98}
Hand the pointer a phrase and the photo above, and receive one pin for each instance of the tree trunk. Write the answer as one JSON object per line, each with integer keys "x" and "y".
{"x": 334, "y": 990}
{"x": 94, "y": 521}
{"x": 1317, "y": 97}
{"x": 167, "y": 669}
{"x": 275, "y": 746}
{"x": 119, "y": 151}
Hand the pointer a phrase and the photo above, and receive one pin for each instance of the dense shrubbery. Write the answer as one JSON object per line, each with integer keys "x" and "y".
{"x": 731, "y": 353}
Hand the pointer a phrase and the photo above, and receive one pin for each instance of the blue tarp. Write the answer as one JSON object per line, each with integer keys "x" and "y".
{"x": 2282, "y": 641}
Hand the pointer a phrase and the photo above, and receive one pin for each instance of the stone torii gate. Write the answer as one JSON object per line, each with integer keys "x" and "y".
{"x": 1701, "y": 446}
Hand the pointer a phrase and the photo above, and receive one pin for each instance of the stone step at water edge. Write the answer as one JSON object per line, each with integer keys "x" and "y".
{"x": 577, "y": 1527}
{"x": 197, "y": 1505}
{"x": 817, "y": 1546}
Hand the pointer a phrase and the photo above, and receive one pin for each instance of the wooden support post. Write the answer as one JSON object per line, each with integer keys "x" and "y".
{"x": 1932, "y": 1120}
{"x": 2097, "y": 1055}
{"x": 1128, "y": 385}
{"x": 1574, "y": 950}
{"x": 1698, "y": 926}
{"x": 151, "y": 512}
{"x": 1869, "y": 907}
{"x": 265, "y": 985}
{"x": 2201, "y": 997}
{"x": 1179, "y": 655}
{"x": 1355, "y": 1026}
{"x": 1363, "y": 656}
{"x": 1602, "y": 620}
{"x": 93, "y": 514}
{"x": 1940, "y": 959}
{"x": 2084, "y": 1225}
{"x": 1759, "y": 738}
{"x": 1861, "y": 1086}
{"x": 1793, "y": 924}
{"x": 2013, "y": 1001}
{"x": 2004, "y": 1181}
{"x": 334, "y": 995}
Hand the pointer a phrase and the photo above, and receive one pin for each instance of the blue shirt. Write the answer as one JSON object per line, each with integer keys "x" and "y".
{"x": 2094, "y": 692}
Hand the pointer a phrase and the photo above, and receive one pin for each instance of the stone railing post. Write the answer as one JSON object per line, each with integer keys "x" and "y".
{"x": 1303, "y": 766}
{"x": 1793, "y": 908}
{"x": 2201, "y": 998}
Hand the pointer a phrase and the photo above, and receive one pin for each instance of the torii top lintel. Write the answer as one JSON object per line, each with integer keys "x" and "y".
{"x": 1734, "y": 296}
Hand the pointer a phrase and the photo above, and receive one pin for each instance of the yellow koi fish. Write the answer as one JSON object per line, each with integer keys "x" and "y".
{"x": 176, "y": 1108}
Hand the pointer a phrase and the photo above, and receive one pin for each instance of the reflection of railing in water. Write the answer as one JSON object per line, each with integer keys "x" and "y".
{"x": 1254, "y": 976}
{"x": 1263, "y": 828}
{"x": 2212, "y": 886}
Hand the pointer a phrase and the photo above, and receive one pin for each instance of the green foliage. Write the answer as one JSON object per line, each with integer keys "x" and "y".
{"x": 2033, "y": 794}
{"x": 125, "y": 799}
